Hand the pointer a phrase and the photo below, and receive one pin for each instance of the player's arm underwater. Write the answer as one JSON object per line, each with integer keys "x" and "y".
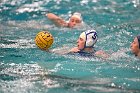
{"x": 101, "y": 54}
{"x": 57, "y": 20}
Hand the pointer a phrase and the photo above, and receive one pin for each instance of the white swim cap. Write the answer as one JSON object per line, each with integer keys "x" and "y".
{"x": 90, "y": 37}
{"x": 77, "y": 15}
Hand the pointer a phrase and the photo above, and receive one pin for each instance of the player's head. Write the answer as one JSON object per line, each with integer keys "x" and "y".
{"x": 75, "y": 19}
{"x": 135, "y": 45}
{"x": 87, "y": 39}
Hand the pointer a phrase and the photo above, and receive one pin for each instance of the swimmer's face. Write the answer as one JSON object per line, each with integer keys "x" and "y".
{"x": 74, "y": 21}
{"x": 135, "y": 46}
{"x": 80, "y": 43}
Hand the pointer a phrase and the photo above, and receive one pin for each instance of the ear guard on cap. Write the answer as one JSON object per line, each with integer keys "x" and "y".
{"x": 91, "y": 38}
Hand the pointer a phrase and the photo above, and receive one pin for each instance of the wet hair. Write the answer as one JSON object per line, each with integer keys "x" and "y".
{"x": 138, "y": 37}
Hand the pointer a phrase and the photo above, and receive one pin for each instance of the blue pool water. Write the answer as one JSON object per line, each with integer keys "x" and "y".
{"x": 26, "y": 69}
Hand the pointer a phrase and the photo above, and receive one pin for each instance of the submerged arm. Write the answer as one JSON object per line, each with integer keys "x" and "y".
{"x": 102, "y": 54}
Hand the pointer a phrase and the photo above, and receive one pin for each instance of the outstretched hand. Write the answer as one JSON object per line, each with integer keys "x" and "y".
{"x": 74, "y": 50}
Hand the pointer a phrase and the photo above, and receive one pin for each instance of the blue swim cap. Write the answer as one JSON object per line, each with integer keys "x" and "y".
{"x": 90, "y": 37}
{"x": 138, "y": 37}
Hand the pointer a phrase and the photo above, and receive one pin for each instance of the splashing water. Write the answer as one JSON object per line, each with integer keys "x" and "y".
{"x": 24, "y": 68}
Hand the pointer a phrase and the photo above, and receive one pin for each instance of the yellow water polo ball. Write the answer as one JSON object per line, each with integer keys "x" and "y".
{"x": 44, "y": 40}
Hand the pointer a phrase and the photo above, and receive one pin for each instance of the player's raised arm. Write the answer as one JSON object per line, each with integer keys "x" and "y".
{"x": 56, "y": 19}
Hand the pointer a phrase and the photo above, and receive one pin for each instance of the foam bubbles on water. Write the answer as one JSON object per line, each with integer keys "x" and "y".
{"x": 22, "y": 69}
{"x": 19, "y": 43}
{"x": 24, "y": 76}
{"x": 84, "y": 2}
{"x": 38, "y": 24}
{"x": 136, "y": 3}
{"x": 34, "y": 7}
{"x": 57, "y": 67}
{"x": 19, "y": 86}
{"x": 51, "y": 83}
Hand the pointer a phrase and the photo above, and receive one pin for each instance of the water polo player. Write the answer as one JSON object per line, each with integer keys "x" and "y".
{"x": 135, "y": 46}
{"x": 85, "y": 44}
{"x": 74, "y": 20}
